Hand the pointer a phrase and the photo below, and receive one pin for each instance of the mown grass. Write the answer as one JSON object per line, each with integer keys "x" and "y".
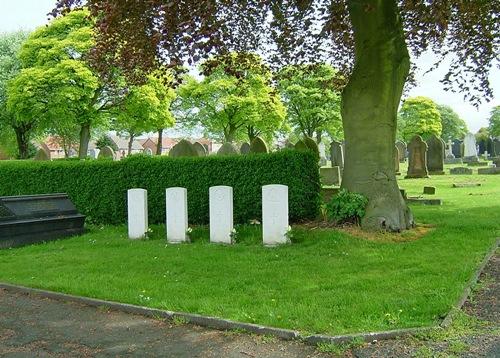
{"x": 326, "y": 282}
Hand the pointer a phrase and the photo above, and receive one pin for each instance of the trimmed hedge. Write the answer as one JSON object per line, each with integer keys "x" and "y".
{"x": 98, "y": 188}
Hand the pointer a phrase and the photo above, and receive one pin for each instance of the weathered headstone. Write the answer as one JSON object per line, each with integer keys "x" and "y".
{"x": 402, "y": 150}
{"x": 137, "y": 202}
{"x": 42, "y": 154}
{"x": 429, "y": 190}
{"x": 488, "y": 171}
{"x": 106, "y": 153}
{"x": 245, "y": 148}
{"x": 92, "y": 153}
{"x": 448, "y": 151}
{"x": 461, "y": 171}
{"x": 470, "y": 149}
{"x": 177, "y": 215}
{"x": 200, "y": 149}
{"x": 183, "y": 149}
{"x": 435, "y": 155}
{"x": 417, "y": 158}
{"x": 221, "y": 214}
{"x": 274, "y": 214}
{"x": 227, "y": 149}
{"x": 496, "y": 147}
{"x": 466, "y": 185}
{"x": 456, "y": 148}
{"x": 397, "y": 157}
{"x": 258, "y": 146}
{"x": 322, "y": 154}
{"x": 337, "y": 155}
{"x": 330, "y": 176}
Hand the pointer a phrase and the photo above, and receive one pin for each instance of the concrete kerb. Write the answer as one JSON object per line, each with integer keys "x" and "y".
{"x": 224, "y": 324}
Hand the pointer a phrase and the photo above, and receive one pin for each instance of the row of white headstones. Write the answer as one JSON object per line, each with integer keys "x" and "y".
{"x": 274, "y": 214}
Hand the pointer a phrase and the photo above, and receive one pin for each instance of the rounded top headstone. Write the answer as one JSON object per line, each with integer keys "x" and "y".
{"x": 183, "y": 149}
{"x": 42, "y": 154}
{"x": 245, "y": 148}
{"x": 200, "y": 149}
{"x": 106, "y": 152}
{"x": 227, "y": 149}
{"x": 258, "y": 146}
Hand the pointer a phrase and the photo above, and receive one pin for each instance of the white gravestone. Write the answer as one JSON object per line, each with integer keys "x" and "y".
{"x": 274, "y": 214}
{"x": 221, "y": 214}
{"x": 177, "y": 215}
{"x": 137, "y": 200}
{"x": 470, "y": 145}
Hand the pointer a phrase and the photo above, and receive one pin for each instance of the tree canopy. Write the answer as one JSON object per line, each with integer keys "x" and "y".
{"x": 494, "y": 121}
{"x": 453, "y": 127}
{"x": 419, "y": 116}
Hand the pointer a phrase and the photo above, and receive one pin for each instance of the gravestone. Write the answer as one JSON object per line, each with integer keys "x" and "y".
{"x": 461, "y": 171}
{"x": 106, "y": 153}
{"x": 137, "y": 202}
{"x": 227, "y": 149}
{"x": 435, "y": 155}
{"x": 92, "y": 153}
{"x": 42, "y": 154}
{"x": 177, "y": 215}
{"x": 245, "y": 148}
{"x": 36, "y": 218}
{"x": 456, "y": 148}
{"x": 496, "y": 147}
{"x": 429, "y": 190}
{"x": 221, "y": 214}
{"x": 200, "y": 149}
{"x": 183, "y": 149}
{"x": 330, "y": 176}
{"x": 417, "y": 158}
{"x": 470, "y": 149}
{"x": 337, "y": 155}
{"x": 496, "y": 162}
{"x": 448, "y": 151}
{"x": 488, "y": 171}
{"x": 397, "y": 157}
{"x": 322, "y": 154}
{"x": 402, "y": 150}
{"x": 274, "y": 214}
{"x": 257, "y": 145}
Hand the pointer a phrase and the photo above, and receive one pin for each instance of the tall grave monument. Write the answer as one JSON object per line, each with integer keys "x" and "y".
{"x": 337, "y": 155}
{"x": 417, "y": 158}
{"x": 470, "y": 149}
{"x": 435, "y": 155}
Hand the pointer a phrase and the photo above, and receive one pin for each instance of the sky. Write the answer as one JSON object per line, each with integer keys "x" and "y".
{"x": 29, "y": 14}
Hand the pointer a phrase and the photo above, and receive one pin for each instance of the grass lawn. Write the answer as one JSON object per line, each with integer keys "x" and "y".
{"x": 326, "y": 282}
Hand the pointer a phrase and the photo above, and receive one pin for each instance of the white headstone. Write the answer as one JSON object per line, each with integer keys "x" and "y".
{"x": 221, "y": 214}
{"x": 177, "y": 215}
{"x": 470, "y": 145}
{"x": 137, "y": 200}
{"x": 274, "y": 214}
{"x": 449, "y": 150}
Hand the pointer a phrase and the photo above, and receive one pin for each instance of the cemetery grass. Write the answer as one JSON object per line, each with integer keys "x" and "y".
{"x": 326, "y": 282}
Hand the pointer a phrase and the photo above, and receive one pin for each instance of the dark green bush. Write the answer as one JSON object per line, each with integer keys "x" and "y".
{"x": 98, "y": 188}
{"x": 346, "y": 207}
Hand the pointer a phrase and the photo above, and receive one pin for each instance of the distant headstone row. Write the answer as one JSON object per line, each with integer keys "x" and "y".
{"x": 274, "y": 214}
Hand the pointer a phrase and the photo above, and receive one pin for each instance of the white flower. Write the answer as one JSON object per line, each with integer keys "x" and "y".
{"x": 189, "y": 230}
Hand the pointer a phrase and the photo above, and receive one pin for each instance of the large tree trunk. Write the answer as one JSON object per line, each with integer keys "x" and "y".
{"x": 23, "y": 141}
{"x": 160, "y": 142}
{"x": 84, "y": 140}
{"x": 130, "y": 142}
{"x": 369, "y": 109}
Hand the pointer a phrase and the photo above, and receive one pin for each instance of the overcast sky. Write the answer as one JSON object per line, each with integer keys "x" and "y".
{"x": 28, "y": 14}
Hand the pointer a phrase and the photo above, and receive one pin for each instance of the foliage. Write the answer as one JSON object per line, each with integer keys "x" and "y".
{"x": 312, "y": 146}
{"x": 419, "y": 116}
{"x": 229, "y": 105}
{"x": 453, "y": 127}
{"x": 482, "y": 135}
{"x": 97, "y": 187}
{"x": 227, "y": 149}
{"x": 105, "y": 141}
{"x": 311, "y": 94}
{"x": 346, "y": 207}
{"x": 495, "y": 121}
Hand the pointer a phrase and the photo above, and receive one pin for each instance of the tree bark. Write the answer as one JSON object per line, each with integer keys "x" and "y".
{"x": 23, "y": 141}
{"x": 369, "y": 110}
{"x": 159, "y": 145}
{"x": 84, "y": 140}
{"x": 130, "y": 142}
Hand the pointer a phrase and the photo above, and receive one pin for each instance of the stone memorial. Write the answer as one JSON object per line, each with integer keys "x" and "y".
{"x": 137, "y": 205}
{"x": 274, "y": 214}
{"x": 42, "y": 154}
{"x": 470, "y": 148}
{"x": 488, "y": 171}
{"x": 200, "y": 149}
{"x": 337, "y": 155}
{"x": 177, "y": 215}
{"x": 36, "y": 218}
{"x": 456, "y": 148}
{"x": 245, "y": 148}
{"x": 221, "y": 214}
{"x": 258, "y": 145}
{"x": 496, "y": 147}
{"x": 435, "y": 155}
{"x": 330, "y": 176}
{"x": 183, "y": 149}
{"x": 461, "y": 171}
{"x": 322, "y": 154}
{"x": 402, "y": 150}
{"x": 106, "y": 153}
{"x": 429, "y": 190}
{"x": 417, "y": 158}
{"x": 227, "y": 149}
{"x": 397, "y": 158}
{"x": 448, "y": 150}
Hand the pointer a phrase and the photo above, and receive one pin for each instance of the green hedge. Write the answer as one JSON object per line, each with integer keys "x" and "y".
{"x": 98, "y": 188}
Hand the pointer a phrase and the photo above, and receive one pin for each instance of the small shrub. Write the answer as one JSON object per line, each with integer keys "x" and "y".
{"x": 346, "y": 207}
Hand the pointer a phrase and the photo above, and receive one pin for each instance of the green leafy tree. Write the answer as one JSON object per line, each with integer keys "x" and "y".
{"x": 10, "y": 126}
{"x": 453, "y": 127}
{"x": 233, "y": 100}
{"x": 57, "y": 89}
{"x": 495, "y": 122}
{"x": 419, "y": 115}
{"x": 311, "y": 94}
{"x": 370, "y": 39}
{"x": 145, "y": 108}
{"x": 105, "y": 141}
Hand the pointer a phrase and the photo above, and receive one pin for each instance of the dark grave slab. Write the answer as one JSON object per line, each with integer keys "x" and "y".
{"x": 430, "y": 190}
{"x": 477, "y": 164}
{"x": 37, "y": 218}
{"x": 466, "y": 185}
{"x": 461, "y": 171}
{"x": 424, "y": 201}
{"x": 489, "y": 171}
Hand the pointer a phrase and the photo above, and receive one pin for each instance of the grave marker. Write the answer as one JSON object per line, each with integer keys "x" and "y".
{"x": 275, "y": 214}
{"x": 177, "y": 215}
{"x": 221, "y": 214}
{"x": 137, "y": 202}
